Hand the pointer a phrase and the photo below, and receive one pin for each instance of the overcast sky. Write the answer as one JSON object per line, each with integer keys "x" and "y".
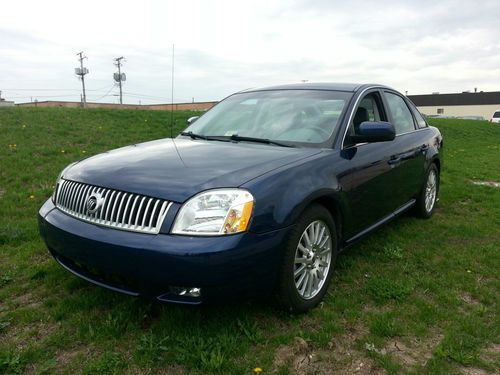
{"x": 226, "y": 46}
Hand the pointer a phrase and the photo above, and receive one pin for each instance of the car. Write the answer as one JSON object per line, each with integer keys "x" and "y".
{"x": 255, "y": 198}
{"x": 495, "y": 117}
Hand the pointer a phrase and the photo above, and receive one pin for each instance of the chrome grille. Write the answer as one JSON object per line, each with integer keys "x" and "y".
{"x": 118, "y": 209}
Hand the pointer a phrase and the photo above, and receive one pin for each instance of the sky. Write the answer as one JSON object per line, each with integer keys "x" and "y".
{"x": 226, "y": 46}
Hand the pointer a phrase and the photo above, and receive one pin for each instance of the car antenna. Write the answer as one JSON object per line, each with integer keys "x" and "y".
{"x": 172, "y": 97}
{"x": 172, "y": 109}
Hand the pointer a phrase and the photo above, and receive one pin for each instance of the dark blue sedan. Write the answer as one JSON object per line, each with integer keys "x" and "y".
{"x": 258, "y": 195}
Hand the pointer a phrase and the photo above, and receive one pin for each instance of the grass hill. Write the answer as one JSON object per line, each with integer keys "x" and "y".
{"x": 419, "y": 296}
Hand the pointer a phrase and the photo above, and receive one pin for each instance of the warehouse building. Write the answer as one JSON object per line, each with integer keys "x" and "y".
{"x": 482, "y": 104}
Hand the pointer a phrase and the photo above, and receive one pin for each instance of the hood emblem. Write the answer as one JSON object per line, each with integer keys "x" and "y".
{"x": 94, "y": 203}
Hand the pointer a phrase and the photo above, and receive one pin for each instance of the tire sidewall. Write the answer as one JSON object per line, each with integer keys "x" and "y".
{"x": 293, "y": 300}
{"x": 421, "y": 204}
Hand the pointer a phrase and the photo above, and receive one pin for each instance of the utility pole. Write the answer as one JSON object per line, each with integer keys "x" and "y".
{"x": 81, "y": 71}
{"x": 119, "y": 77}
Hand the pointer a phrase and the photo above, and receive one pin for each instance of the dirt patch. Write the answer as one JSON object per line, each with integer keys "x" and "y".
{"x": 378, "y": 309}
{"x": 468, "y": 299}
{"x": 487, "y": 183}
{"x": 22, "y": 337}
{"x": 298, "y": 356}
{"x": 27, "y": 300}
{"x": 491, "y": 355}
{"x": 415, "y": 351}
{"x": 340, "y": 357}
{"x": 474, "y": 371}
{"x": 65, "y": 357}
{"x": 170, "y": 370}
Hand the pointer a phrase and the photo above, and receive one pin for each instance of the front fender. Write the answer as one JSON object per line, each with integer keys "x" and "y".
{"x": 283, "y": 194}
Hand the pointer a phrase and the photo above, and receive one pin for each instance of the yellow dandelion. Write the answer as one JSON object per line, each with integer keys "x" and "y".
{"x": 24, "y": 126}
{"x": 32, "y": 197}
{"x": 83, "y": 151}
{"x": 63, "y": 151}
{"x": 257, "y": 370}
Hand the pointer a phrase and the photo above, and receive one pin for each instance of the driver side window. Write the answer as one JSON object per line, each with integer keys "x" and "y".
{"x": 369, "y": 109}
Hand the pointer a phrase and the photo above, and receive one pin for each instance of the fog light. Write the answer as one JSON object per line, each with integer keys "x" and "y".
{"x": 186, "y": 292}
{"x": 194, "y": 292}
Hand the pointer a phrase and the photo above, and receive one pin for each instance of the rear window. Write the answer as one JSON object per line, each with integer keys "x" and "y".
{"x": 496, "y": 114}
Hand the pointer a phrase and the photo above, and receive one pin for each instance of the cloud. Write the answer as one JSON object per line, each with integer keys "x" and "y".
{"x": 226, "y": 46}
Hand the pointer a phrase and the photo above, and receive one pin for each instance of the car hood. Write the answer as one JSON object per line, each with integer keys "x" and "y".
{"x": 178, "y": 171}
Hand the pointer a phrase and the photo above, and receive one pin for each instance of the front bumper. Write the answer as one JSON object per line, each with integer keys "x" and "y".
{"x": 155, "y": 265}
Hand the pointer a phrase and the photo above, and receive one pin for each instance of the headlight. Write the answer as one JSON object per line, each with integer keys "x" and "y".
{"x": 215, "y": 212}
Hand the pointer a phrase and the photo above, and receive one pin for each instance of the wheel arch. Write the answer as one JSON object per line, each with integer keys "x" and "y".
{"x": 437, "y": 161}
{"x": 333, "y": 206}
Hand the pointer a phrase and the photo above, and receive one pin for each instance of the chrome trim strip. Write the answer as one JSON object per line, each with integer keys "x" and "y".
{"x": 384, "y": 220}
{"x": 161, "y": 217}
{"x": 106, "y": 218}
{"x": 138, "y": 212}
{"x": 351, "y": 115}
{"x": 153, "y": 213}
{"x": 119, "y": 213}
{"x": 146, "y": 211}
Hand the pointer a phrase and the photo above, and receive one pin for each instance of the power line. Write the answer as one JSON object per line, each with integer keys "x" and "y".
{"x": 52, "y": 89}
{"x": 44, "y": 96}
{"x": 153, "y": 97}
{"x": 81, "y": 71}
{"x": 111, "y": 89}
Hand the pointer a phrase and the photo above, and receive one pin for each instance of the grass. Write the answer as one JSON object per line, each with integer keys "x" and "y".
{"x": 417, "y": 297}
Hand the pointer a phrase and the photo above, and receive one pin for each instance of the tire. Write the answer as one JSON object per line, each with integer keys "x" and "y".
{"x": 315, "y": 261}
{"x": 428, "y": 197}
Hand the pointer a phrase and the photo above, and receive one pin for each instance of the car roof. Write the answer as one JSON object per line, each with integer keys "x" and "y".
{"x": 334, "y": 86}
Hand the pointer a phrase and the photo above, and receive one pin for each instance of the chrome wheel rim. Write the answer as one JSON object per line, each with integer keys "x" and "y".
{"x": 312, "y": 259}
{"x": 430, "y": 190}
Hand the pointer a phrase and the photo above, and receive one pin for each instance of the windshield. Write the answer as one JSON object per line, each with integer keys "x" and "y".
{"x": 295, "y": 116}
{"x": 496, "y": 115}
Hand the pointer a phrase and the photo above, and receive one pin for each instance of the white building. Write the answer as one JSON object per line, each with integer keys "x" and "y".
{"x": 6, "y": 103}
{"x": 482, "y": 104}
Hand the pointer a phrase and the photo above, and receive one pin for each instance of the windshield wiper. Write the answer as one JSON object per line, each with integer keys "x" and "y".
{"x": 237, "y": 138}
{"x": 194, "y": 135}
{"x": 234, "y": 137}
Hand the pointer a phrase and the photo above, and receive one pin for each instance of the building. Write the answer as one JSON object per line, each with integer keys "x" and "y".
{"x": 481, "y": 103}
{"x": 6, "y": 103}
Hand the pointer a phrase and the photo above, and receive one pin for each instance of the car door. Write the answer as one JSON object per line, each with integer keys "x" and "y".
{"x": 370, "y": 175}
{"x": 407, "y": 156}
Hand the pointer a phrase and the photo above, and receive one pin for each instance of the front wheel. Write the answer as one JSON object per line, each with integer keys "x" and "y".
{"x": 426, "y": 202}
{"x": 308, "y": 261}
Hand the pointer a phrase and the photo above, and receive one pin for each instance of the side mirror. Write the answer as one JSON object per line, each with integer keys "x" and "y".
{"x": 192, "y": 119}
{"x": 374, "y": 131}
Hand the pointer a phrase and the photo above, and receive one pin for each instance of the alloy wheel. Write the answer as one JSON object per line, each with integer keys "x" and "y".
{"x": 313, "y": 258}
{"x": 430, "y": 190}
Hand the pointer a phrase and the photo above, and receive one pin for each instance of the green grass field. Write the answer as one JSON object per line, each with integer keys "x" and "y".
{"x": 418, "y": 296}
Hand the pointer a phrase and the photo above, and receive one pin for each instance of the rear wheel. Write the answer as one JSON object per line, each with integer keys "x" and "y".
{"x": 308, "y": 262}
{"x": 427, "y": 199}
